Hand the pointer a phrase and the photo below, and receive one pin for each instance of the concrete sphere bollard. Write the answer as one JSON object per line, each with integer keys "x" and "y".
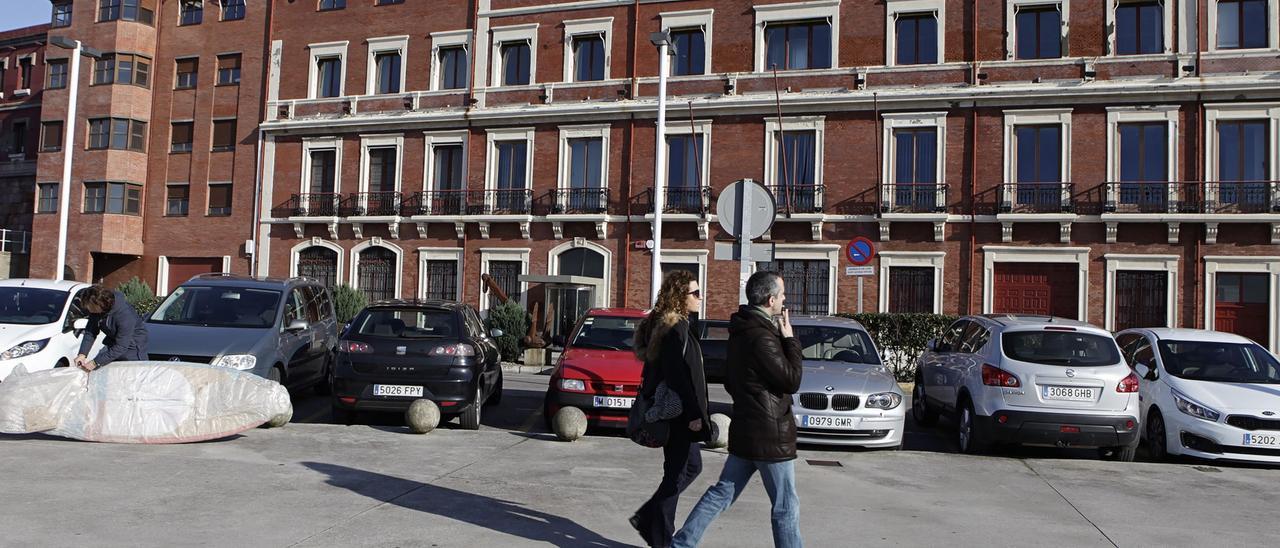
{"x": 281, "y": 419}
{"x": 570, "y": 423}
{"x": 719, "y": 432}
{"x": 422, "y": 416}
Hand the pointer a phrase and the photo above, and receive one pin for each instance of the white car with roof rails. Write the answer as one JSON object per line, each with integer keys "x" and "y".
{"x": 38, "y": 324}
{"x": 1029, "y": 380}
{"x": 1206, "y": 394}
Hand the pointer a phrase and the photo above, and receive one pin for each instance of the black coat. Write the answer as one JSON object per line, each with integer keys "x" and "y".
{"x": 762, "y": 371}
{"x": 124, "y": 332}
{"x": 672, "y": 354}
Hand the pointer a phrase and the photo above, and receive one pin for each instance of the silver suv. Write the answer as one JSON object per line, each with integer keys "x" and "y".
{"x": 1031, "y": 380}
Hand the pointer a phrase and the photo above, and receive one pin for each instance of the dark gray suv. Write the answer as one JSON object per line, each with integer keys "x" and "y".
{"x": 281, "y": 329}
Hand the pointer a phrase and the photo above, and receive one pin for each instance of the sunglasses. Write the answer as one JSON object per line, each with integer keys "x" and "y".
{"x": 696, "y": 293}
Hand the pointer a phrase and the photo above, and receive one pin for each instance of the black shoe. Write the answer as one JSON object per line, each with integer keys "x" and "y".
{"x": 636, "y": 524}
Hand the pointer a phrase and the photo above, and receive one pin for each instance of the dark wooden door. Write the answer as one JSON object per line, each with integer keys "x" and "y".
{"x": 1240, "y": 305}
{"x": 182, "y": 269}
{"x": 1036, "y": 288}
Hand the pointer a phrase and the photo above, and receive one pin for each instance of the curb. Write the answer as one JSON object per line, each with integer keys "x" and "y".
{"x": 526, "y": 369}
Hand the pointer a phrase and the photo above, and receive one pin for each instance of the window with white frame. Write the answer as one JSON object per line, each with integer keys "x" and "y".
{"x": 1037, "y": 159}
{"x": 1140, "y": 27}
{"x": 915, "y": 32}
{"x": 913, "y": 281}
{"x": 794, "y": 162}
{"x": 328, "y": 69}
{"x": 1242, "y": 24}
{"x": 1038, "y": 28}
{"x": 808, "y": 272}
{"x": 440, "y": 270}
{"x": 377, "y": 267}
{"x": 1142, "y": 154}
{"x": 509, "y": 169}
{"x": 914, "y": 162}
{"x": 514, "y": 55}
{"x": 688, "y": 158}
{"x": 445, "y": 173}
{"x": 380, "y": 174}
{"x": 504, "y": 266}
{"x": 587, "y": 43}
{"x": 386, "y": 64}
{"x": 691, "y": 37}
{"x": 799, "y": 35}
{"x": 1141, "y": 291}
{"x": 1242, "y": 156}
{"x": 320, "y": 184}
{"x": 584, "y": 168}
{"x": 450, "y": 52}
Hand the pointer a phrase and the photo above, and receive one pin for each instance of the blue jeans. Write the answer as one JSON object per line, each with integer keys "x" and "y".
{"x": 779, "y": 481}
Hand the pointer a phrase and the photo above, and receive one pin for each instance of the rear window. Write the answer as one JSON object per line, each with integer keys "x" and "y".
{"x": 407, "y": 323}
{"x": 606, "y": 333}
{"x": 1066, "y": 348}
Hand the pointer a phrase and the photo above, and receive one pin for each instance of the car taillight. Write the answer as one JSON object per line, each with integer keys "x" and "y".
{"x": 994, "y": 376}
{"x": 1128, "y": 385}
{"x": 460, "y": 349}
{"x": 354, "y": 347}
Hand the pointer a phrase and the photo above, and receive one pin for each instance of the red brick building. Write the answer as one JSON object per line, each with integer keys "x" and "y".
{"x": 1112, "y": 160}
{"x": 21, "y": 87}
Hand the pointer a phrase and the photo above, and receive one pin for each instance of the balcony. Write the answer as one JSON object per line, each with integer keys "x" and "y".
{"x": 581, "y": 201}
{"x": 1036, "y": 198}
{"x": 436, "y": 202}
{"x": 373, "y": 204}
{"x": 324, "y": 204}
{"x": 798, "y": 199}
{"x": 682, "y": 203}
{"x": 915, "y": 198}
{"x": 1210, "y": 202}
{"x": 1153, "y": 197}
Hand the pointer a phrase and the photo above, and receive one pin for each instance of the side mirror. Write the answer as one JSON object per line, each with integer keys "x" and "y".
{"x": 298, "y": 325}
{"x": 1146, "y": 371}
{"x": 80, "y": 324}
{"x": 495, "y": 333}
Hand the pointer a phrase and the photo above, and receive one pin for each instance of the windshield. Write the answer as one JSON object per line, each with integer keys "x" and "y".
{"x": 606, "y": 333}
{"x": 1066, "y": 348}
{"x": 31, "y": 306}
{"x": 1219, "y": 361}
{"x": 836, "y": 344}
{"x": 219, "y": 307}
{"x": 406, "y": 323}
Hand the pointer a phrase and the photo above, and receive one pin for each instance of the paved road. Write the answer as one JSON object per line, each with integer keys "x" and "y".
{"x": 330, "y": 485}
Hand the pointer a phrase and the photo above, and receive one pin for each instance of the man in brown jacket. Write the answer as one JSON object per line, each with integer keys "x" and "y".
{"x": 762, "y": 372}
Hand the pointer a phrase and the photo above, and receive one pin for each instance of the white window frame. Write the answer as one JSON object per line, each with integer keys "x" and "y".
{"x": 454, "y": 254}
{"x": 807, "y": 252}
{"x": 912, "y": 120}
{"x": 1243, "y": 264}
{"x": 354, "y": 261}
{"x": 580, "y": 27}
{"x": 368, "y": 142}
{"x": 1015, "y": 118}
{"x": 796, "y": 11}
{"x": 701, "y": 19}
{"x": 492, "y": 138}
{"x": 1165, "y": 5}
{"x": 603, "y": 297}
{"x": 691, "y": 257}
{"x": 1273, "y": 28}
{"x": 386, "y": 44}
{"x": 448, "y": 39}
{"x": 433, "y": 139}
{"x": 894, "y": 8}
{"x": 317, "y": 242}
{"x": 1157, "y": 263}
{"x": 506, "y": 35}
{"x": 599, "y": 131}
{"x": 1011, "y": 8}
{"x": 505, "y": 254}
{"x": 30, "y": 58}
{"x": 1215, "y": 113}
{"x": 310, "y": 144}
{"x": 797, "y": 123}
{"x": 324, "y": 50}
{"x": 1011, "y": 254}
{"x": 1121, "y": 115}
{"x": 702, "y": 128}
{"x": 927, "y": 259}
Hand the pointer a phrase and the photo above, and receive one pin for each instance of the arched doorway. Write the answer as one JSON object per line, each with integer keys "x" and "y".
{"x": 581, "y": 261}
{"x": 319, "y": 263}
{"x": 376, "y": 273}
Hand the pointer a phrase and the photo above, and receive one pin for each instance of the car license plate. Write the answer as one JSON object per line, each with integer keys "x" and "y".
{"x": 397, "y": 390}
{"x": 821, "y": 421}
{"x": 1069, "y": 393}
{"x": 613, "y": 402}
{"x": 1262, "y": 440}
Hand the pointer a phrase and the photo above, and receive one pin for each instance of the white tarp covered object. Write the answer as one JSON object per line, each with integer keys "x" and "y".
{"x": 139, "y": 402}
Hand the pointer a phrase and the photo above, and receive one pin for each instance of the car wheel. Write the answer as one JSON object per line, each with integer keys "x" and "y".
{"x": 495, "y": 397}
{"x": 1121, "y": 453}
{"x": 276, "y": 374}
{"x": 342, "y": 416}
{"x": 920, "y": 411}
{"x": 62, "y": 363}
{"x": 967, "y": 436}
{"x": 1157, "y": 437}
{"x": 470, "y": 419}
{"x": 324, "y": 386}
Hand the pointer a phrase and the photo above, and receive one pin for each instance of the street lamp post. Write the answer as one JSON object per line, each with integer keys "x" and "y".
{"x": 68, "y": 140}
{"x": 663, "y": 41}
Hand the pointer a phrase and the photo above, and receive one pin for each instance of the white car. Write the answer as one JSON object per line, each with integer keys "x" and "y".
{"x": 37, "y": 320}
{"x": 1206, "y": 394}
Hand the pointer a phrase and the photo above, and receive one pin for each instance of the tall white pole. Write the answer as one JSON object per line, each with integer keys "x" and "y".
{"x": 659, "y": 173}
{"x": 68, "y": 141}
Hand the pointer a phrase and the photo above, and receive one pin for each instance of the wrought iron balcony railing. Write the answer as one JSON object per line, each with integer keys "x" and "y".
{"x": 316, "y": 204}
{"x": 436, "y": 202}
{"x": 503, "y": 201}
{"x": 1037, "y": 197}
{"x": 913, "y": 198}
{"x": 375, "y": 204}
{"x": 798, "y": 198}
{"x": 581, "y": 200}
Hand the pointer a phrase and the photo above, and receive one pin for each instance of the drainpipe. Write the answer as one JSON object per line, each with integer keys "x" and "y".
{"x": 973, "y": 169}
{"x": 626, "y": 181}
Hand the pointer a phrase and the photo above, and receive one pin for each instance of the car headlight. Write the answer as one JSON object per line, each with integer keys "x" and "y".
{"x": 243, "y": 362}
{"x": 24, "y": 349}
{"x": 573, "y": 384}
{"x": 1190, "y": 407}
{"x": 883, "y": 400}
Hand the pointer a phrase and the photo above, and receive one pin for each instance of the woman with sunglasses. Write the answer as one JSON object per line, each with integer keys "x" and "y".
{"x": 671, "y": 353}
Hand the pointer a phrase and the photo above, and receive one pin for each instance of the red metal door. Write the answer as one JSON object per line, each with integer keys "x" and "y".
{"x": 1241, "y": 305}
{"x": 1034, "y": 288}
{"x": 182, "y": 269}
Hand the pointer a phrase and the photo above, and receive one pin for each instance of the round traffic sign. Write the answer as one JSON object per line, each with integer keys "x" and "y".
{"x": 861, "y": 251}
{"x": 746, "y": 209}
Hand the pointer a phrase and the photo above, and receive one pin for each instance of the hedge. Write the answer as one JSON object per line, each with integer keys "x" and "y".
{"x": 902, "y": 337}
{"x": 139, "y": 295}
{"x": 511, "y": 318}
{"x": 347, "y": 302}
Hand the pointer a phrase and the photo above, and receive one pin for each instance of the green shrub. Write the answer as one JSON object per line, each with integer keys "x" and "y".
{"x": 511, "y": 318}
{"x": 139, "y": 295}
{"x": 347, "y": 302}
{"x": 902, "y": 337}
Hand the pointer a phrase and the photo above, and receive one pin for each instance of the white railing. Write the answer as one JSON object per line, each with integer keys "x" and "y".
{"x": 15, "y": 241}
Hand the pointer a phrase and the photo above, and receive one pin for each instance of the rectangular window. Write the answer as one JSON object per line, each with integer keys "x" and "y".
{"x": 98, "y": 131}
{"x": 515, "y": 64}
{"x": 382, "y": 169}
{"x": 588, "y": 57}
{"x": 224, "y": 135}
{"x": 1144, "y": 151}
{"x": 126, "y": 10}
{"x": 917, "y": 39}
{"x": 806, "y": 283}
{"x": 911, "y": 289}
{"x": 388, "y": 2}
{"x": 177, "y": 200}
{"x": 684, "y": 161}
{"x": 188, "y": 71}
{"x": 447, "y": 162}
{"x": 1039, "y": 153}
{"x": 232, "y": 10}
{"x": 691, "y": 52}
{"x": 48, "y": 201}
{"x": 915, "y": 170}
{"x": 512, "y": 158}
{"x": 115, "y": 198}
{"x": 388, "y": 67}
{"x": 1141, "y": 299}
{"x": 805, "y": 45}
{"x": 132, "y": 69}
{"x": 506, "y": 274}
{"x": 229, "y": 70}
{"x": 453, "y": 67}
{"x": 120, "y": 133}
{"x": 61, "y": 15}
{"x": 57, "y": 74}
{"x": 18, "y": 137}
{"x": 323, "y": 171}
{"x": 1242, "y": 24}
{"x": 1242, "y": 151}
{"x": 117, "y": 133}
{"x": 1039, "y": 32}
{"x": 330, "y": 82}
{"x": 326, "y": 5}
{"x": 219, "y": 200}
{"x": 585, "y": 162}
{"x": 95, "y": 197}
{"x": 442, "y": 280}
{"x": 1139, "y": 28}
{"x": 182, "y": 137}
{"x": 104, "y": 70}
{"x": 137, "y": 135}
{"x": 191, "y": 12}
{"x": 796, "y": 161}
{"x": 51, "y": 136}
{"x": 24, "y": 73}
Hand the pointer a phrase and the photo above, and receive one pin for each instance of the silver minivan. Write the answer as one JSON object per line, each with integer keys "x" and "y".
{"x": 281, "y": 329}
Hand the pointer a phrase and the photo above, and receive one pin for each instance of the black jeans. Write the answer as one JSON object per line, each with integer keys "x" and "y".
{"x": 682, "y": 462}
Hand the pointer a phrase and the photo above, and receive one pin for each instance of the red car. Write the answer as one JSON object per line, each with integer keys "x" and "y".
{"x": 598, "y": 371}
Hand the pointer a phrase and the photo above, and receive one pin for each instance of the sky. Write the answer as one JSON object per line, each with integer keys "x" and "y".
{"x": 23, "y": 13}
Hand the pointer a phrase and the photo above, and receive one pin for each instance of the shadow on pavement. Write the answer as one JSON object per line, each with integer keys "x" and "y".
{"x": 494, "y": 514}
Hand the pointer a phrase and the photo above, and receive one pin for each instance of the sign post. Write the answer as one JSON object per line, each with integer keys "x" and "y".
{"x": 746, "y": 211}
{"x": 861, "y": 252}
